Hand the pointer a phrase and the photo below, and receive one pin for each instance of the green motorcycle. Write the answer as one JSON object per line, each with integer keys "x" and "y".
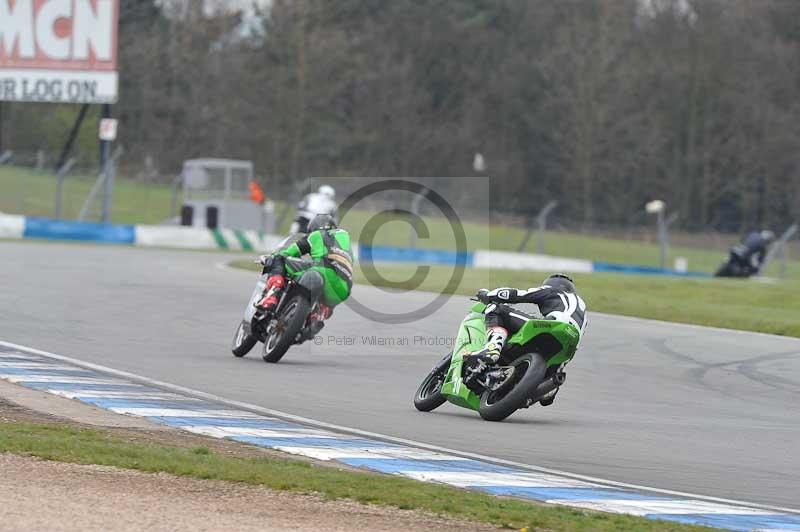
{"x": 529, "y": 368}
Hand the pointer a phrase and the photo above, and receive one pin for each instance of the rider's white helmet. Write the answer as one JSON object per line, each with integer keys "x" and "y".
{"x": 327, "y": 190}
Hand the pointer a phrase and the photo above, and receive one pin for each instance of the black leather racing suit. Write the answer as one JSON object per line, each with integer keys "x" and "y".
{"x": 553, "y": 304}
{"x": 750, "y": 254}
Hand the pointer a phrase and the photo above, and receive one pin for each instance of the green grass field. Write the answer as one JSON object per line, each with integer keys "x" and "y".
{"x": 32, "y": 193}
{"x": 83, "y": 446}
{"x": 731, "y": 304}
{"x": 502, "y": 237}
{"x": 395, "y": 231}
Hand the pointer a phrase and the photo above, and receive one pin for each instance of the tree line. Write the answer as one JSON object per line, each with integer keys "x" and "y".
{"x": 600, "y": 105}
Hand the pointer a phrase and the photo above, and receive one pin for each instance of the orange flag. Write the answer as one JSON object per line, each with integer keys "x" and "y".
{"x": 256, "y": 193}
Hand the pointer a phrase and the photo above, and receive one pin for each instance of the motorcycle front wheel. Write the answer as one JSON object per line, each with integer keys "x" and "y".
{"x": 243, "y": 341}
{"x": 289, "y": 324}
{"x": 429, "y": 396}
{"x": 529, "y": 370}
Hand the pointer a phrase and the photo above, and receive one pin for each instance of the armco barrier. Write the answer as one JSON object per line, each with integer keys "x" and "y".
{"x": 199, "y": 238}
{"x": 238, "y": 240}
{"x": 507, "y": 260}
{"x": 137, "y": 235}
{"x": 83, "y": 231}
{"x": 418, "y": 256}
{"x": 177, "y": 237}
{"x": 642, "y": 270}
{"x": 524, "y": 261}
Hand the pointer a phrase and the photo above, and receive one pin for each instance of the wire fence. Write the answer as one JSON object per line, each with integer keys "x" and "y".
{"x": 29, "y": 185}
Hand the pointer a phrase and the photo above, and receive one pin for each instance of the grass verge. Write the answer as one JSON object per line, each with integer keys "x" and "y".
{"x": 88, "y": 446}
{"x": 731, "y": 304}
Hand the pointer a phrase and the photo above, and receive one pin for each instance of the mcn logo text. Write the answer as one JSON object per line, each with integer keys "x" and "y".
{"x": 58, "y": 50}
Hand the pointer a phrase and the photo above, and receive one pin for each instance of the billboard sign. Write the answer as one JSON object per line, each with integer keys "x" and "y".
{"x": 58, "y": 50}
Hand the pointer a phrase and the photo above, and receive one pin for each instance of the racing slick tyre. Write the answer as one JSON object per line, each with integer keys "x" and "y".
{"x": 289, "y": 324}
{"x": 428, "y": 396}
{"x": 243, "y": 341}
{"x": 529, "y": 370}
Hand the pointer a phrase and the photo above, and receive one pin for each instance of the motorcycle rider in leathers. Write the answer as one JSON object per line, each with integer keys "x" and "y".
{"x": 329, "y": 249}
{"x": 556, "y": 299}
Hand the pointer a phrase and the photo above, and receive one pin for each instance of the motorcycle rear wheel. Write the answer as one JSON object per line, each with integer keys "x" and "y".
{"x": 243, "y": 341}
{"x": 725, "y": 270}
{"x": 496, "y": 406}
{"x": 290, "y": 322}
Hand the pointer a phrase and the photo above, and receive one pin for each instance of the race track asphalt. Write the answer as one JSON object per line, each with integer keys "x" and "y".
{"x": 676, "y": 407}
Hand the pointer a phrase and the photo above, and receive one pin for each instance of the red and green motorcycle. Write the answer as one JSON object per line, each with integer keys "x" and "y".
{"x": 529, "y": 369}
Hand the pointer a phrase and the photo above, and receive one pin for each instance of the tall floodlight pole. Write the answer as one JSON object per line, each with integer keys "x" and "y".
{"x": 107, "y": 134}
{"x": 479, "y": 163}
{"x": 658, "y": 208}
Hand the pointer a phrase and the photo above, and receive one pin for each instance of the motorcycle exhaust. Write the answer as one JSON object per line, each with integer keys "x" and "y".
{"x": 550, "y": 384}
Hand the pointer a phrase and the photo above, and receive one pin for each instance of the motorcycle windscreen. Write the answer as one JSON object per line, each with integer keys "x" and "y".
{"x": 250, "y": 310}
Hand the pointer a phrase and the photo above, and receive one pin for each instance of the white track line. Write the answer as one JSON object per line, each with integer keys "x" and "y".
{"x": 179, "y": 412}
{"x": 645, "y": 507}
{"x": 486, "y": 478}
{"x": 338, "y": 453}
{"x": 227, "y": 432}
{"x": 131, "y": 396}
{"x": 403, "y": 441}
{"x": 55, "y": 378}
{"x": 34, "y": 365}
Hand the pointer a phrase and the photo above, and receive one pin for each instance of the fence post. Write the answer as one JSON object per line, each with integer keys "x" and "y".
{"x": 60, "y": 176}
{"x": 779, "y": 248}
{"x": 784, "y": 259}
{"x": 101, "y": 179}
{"x": 541, "y": 223}
{"x": 414, "y": 234}
{"x": 72, "y": 135}
{"x": 173, "y": 207}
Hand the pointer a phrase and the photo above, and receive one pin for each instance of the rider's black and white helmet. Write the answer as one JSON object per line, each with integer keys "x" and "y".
{"x": 321, "y": 221}
{"x": 561, "y": 282}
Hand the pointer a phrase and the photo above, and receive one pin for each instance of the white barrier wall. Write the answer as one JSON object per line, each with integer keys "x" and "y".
{"x": 200, "y": 238}
{"x": 11, "y": 226}
{"x": 509, "y": 260}
{"x": 174, "y": 237}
